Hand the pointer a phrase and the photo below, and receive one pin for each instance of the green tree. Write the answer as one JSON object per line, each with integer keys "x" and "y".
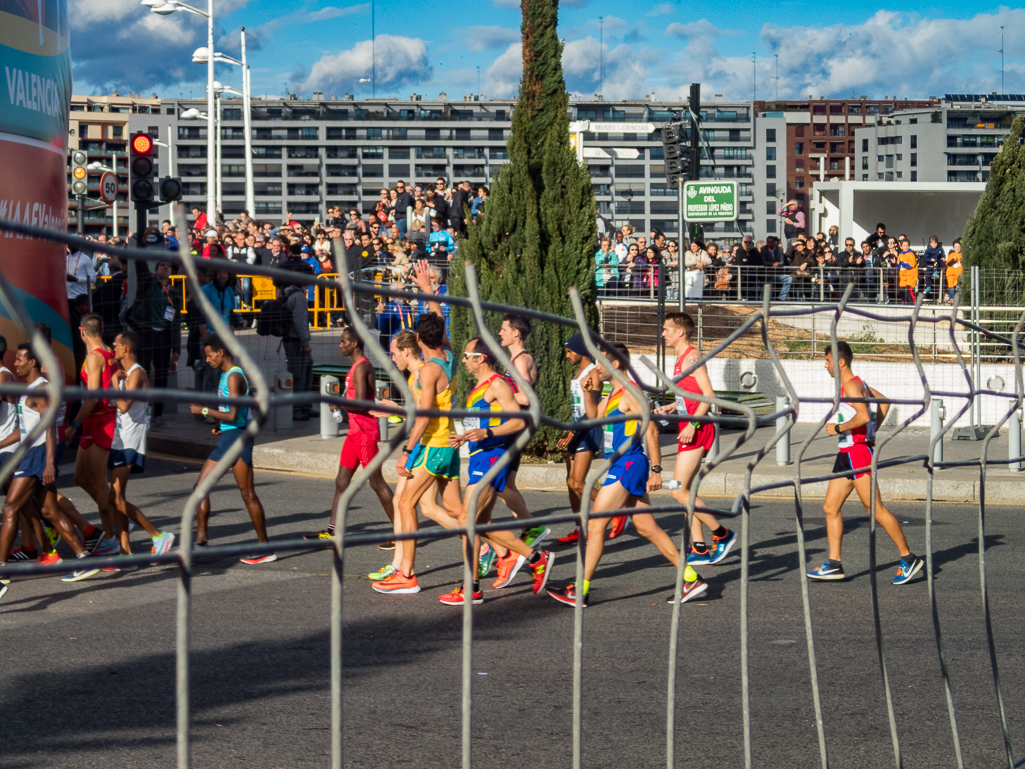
{"x": 537, "y": 237}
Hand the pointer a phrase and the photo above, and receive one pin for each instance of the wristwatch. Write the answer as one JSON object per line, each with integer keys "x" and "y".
{"x": 656, "y": 468}
{"x": 406, "y": 451}
{"x": 489, "y": 433}
{"x": 205, "y": 412}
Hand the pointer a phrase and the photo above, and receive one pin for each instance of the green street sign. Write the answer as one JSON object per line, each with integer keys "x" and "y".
{"x": 710, "y": 201}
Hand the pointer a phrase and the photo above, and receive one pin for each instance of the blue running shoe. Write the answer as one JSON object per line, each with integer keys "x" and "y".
{"x": 487, "y": 560}
{"x": 721, "y": 546}
{"x": 694, "y": 558}
{"x": 908, "y": 568}
{"x": 830, "y": 570}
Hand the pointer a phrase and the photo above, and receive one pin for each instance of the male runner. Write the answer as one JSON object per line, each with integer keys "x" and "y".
{"x": 405, "y": 353}
{"x": 487, "y": 443}
{"x": 438, "y": 461}
{"x": 627, "y": 485}
{"x": 695, "y": 440}
{"x": 233, "y": 421}
{"x": 360, "y": 446}
{"x": 36, "y": 476}
{"x": 128, "y": 449}
{"x": 585, "y": 388}
{"x": 855, "y": 427}
{"x": 513, "y": 333}
{"x": 96, "y": 420}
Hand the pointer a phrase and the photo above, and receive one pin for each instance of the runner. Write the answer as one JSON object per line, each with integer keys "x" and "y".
{"x": 96, "y": 420}
{"x": 695, "y": 440}
{"x": 627, "y": 485}
{"x": 405, "y": 353}
{"x": 36, "y": 476}
{"x": 581, "y": 445}
{"x": 513, "y": 333}
{"x": 485, "y": 436}
{"x": 855, "y": 426}
{"x": 128, "y": 449}
{"x": 233, "y": 421}
{"x": 438, "y": 462}
{"x": 360, "y": 446}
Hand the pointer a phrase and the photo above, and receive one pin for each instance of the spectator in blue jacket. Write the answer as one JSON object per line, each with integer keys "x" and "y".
{"x": 309, "y": 259}
{"x": 932, "y": 261}
{"x": 394, "y": 316}
{"x": 441, "y": 243}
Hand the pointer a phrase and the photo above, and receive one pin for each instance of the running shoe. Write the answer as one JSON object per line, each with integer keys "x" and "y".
{"x": 829, "y": 570}
{"x": 721, "y": 546}
{"x": 107, "y": 547}
{"x": 380, "y": 574}
{"x": 541, "y": 569}
{"x": 3, "y": 590}
{"x": 162, "y": 543}
{"x": 566, "y": 595}
{"x": 488, "y": 554}
{"x": 49, "y": 559}
{"x": 618, "y": 525}
{"x": 52, "y": 535}
{"x": 694, "y": 558}
{"x": 690, "y": 590}
{"x": 908, "y": 568}
{"x": 21, "y": 554}
{"x": 5, "y": 580}
{"x": 508, "y": 567}
{"x": 458, "y": 597}
{"x": 570, "y": 539}
{"x": 397, "y": 583}
{"x": 387, "y": 545}
{"x": 90, "y": 543}
{"x": 254, "y": 559}
{"x": 325, "y": 534}
{"x": 535, "y": 536}
{"x": 80, "y": 574}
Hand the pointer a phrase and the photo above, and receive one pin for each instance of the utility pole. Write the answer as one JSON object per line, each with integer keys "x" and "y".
{"x": 1001, "y": 59}
{"x": 80, "y": 229}
{"x": 601, "y": 56}
{"x": 694, "y": 173}
{"x": 776, "y": 78}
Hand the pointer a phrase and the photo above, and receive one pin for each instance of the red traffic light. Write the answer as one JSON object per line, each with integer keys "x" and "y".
{"x": 142, "y": 144}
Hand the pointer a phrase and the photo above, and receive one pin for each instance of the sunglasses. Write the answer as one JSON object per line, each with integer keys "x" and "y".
{"x": 472, "y": 355}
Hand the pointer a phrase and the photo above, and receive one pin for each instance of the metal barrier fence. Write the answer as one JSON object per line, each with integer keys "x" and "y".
{"x": 760, "y": 320}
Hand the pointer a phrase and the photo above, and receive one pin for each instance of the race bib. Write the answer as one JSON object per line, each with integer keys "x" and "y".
{"x": 681, "y": 405}
{"x": 169, "y": 313}
{"x": 578, "y": 409}
{"x": 608, "y": 442}
{"x": 471, "y": 423}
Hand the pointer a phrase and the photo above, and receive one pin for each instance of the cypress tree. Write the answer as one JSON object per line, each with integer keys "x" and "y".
{"x": 537, "y": 237}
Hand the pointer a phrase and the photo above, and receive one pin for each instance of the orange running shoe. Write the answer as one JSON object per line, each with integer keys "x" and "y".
{"x": 458, "y": 597}
{"x": 49, "y": 559}
{"x": 508, "y": 568}
{"x": 397, "y": 583}
{"x": 618, "y": 525}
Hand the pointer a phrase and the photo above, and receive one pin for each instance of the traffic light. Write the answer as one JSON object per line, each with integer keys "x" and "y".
{"x": 675, "y": 167}
{"x": 170, "y": 189}
{"x": 142, "y": 169}
{"x": 79, "y": 182}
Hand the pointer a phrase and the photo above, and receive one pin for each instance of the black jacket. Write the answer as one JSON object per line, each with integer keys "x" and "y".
{"x": 460, "y": 198}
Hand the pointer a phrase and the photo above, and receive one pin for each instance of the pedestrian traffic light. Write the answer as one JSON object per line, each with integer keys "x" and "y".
{"x": 79, "y": 182}
{"x": 142, "y": 168}
{"x": 675, "y": 168}
{"x": 170, "y": 189}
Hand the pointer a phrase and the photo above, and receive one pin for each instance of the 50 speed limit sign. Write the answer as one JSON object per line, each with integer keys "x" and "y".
{"x": 108, "y": 188}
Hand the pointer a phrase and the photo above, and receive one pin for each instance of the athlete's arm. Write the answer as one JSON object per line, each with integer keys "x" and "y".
{"x": 235, "y": 390}
{"x": 50, "y": 470}
{"x": 421, "y": 276}
{"x": 861, "y": 413}
{"x": 6, "y": 378}
{"x": 93, "y": 381}
{"x": 363, "y": 383}
{"x": 500, "y": 391}
{"x": 133, "y": 382}
{"x": 882, "y": 408}
{"x": 525, "y": 366}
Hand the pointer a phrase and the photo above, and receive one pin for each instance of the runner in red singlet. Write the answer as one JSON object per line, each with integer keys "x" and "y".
{"x": 694, "y": 441}
{"x": 360, "y": 445}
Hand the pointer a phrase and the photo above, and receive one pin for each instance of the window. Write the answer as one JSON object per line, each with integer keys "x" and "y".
{"x": 306, "y": 134}
{"x": 900, "y": 174}
{"x": 799, "y": 182}
{"x": 373, "y": 153}
{"x": 770, "y": 153}
{"x": 630, "y": 171}
{"x": 770, "y": 172}
{"x": 836, "y": 109}
{"x": 340, "y": 152}
{"x": 431, "y": 152}
{"x": 836, "y": 148}
{"x": 398, "y": 171}
{"x": 770, "y": 189}
{"x": 231, "y": 114}
{"x": 854, "y": 109}
{"x": 799, "y": 148}
{"x": 900, "y": 156}
{"x": 879, "y": 158}
{"x": 463, "y": 134}
{"x": 116, "y": 132}
{"x": 914, "y": 176}
{"x": 864, "y": 178}
{"x": 745, "y": 189}
{"x": 398, "y": 153}
{"x": 770, "y": 226}
{"x": 799, "y": 131}
{"x": 658, "y": 153}
{"x": 267, "y": 188}
{"x": 373, "y": 170}
{"x": 375, "y": 133}
{"x": 879, "y": 176}
{"x": 770, "y": 207}
{"x": 341, "y": 133}
{"x": 432, "y": 133}
{"x": 889, "y": 176}
{"x": 397, "y": 133}
{"x": 837, "y": 130}
{"x": 889, "y": 161}
{"x": 498, "y": 153}
{"x": 914, "y": 141}
{"x": 734, "y": 135}
{"x": 864, "y": 162}
{"x": 496, "y": 134}
{"x": 891, "y": 140}
{"x": 864, "y": 145}
{"x": 770, "y": 134}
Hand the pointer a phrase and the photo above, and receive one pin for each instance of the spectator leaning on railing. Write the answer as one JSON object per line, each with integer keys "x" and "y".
{"x": 908, "y": 265}
{"x": 954, "y": 270}
{"x": 606, "y": 267}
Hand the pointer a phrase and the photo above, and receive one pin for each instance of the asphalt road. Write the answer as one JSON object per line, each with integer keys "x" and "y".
{"x": 88, "y": 673}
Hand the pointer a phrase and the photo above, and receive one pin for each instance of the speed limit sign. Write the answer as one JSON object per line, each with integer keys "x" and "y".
{"x": 108, "y": 188}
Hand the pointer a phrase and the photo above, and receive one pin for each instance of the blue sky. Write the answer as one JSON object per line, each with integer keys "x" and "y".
{"x": 647, "y": 48}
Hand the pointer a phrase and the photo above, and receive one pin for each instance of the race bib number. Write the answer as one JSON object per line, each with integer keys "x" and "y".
{"x": 471, "y": 423}
{"x": 578, "y": 409}
{"x": 168, "y": 313}
{"x": 608, "y": 441}
{"x": 681, "y": 405}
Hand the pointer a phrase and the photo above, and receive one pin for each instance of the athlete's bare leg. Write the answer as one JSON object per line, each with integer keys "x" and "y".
{"x": 119, "y": 484}
{"x": 687, "y": 465}
{"x": 884, "y": 517}
{"x": 91, "y": 477}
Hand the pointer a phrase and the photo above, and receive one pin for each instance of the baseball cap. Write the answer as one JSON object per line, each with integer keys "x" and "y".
{"x": 576, "y": 344}
{"x": 211, "y": 233}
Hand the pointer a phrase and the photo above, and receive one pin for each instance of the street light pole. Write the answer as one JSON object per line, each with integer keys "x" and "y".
{"x": 217, "y": 123}
{"x": 211, "y": 118}
{"x": 247, "y": 127}
{"x": 113, "y": 163}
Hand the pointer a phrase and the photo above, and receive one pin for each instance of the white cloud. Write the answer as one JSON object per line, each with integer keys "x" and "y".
{"x": 483, "y": 38}
{"x": 507, "y": 3}
{"x": 661, "y": 9}
{"x": 702, "y": 28}
{"x": 332, "y": 12}
{"x": 502, "y": 78}
{"x": 608, "y": 22}
{"x": 623, "y": 68}
{"x": 400, "y": 61}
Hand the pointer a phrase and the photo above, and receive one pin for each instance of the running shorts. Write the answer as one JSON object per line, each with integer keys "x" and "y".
{"x": 587, "y": 440}
{"x": 34, "y": 464}
{"x": 227, "y": 440}
{"x": 359, "y": 449}
{"x": 481, "y": 462}
{"x": 631, "y": 471}
{"x": 858, "y": 456}
{"x": 126, "y": 458}
{"x": 98, "y": 429}
{"x": 703, "y": 438}
{"x": 439, "y": 461}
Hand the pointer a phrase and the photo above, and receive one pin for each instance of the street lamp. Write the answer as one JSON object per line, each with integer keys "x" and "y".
{"x": 165, "y": 9}
{"x": 98, "y": 166}
{"x": 202, "y": 56}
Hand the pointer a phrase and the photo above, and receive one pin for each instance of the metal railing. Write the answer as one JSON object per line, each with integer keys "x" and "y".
{"x": 758, "y": 321}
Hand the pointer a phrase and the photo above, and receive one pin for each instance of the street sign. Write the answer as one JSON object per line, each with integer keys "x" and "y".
{"x": 108, "y": 188}
{"x": 622, "y": 128}
{"x": 710, "y": 201}
{"x": 627, "y": 153}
